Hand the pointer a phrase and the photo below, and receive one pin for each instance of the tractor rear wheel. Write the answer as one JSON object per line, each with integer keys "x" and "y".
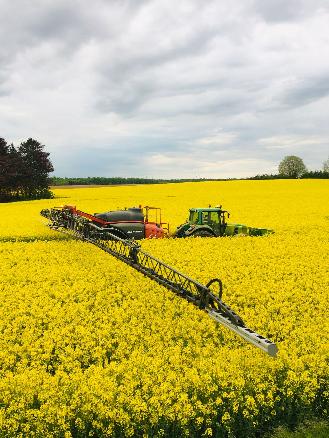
{"x": 202, "y": 233}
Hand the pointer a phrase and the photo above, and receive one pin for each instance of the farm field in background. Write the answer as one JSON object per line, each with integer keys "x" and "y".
{"x": 89, "y": 347}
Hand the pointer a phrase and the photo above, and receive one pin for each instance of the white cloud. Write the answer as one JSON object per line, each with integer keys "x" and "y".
{"x": 289, "y": 142}
{"x": 220, "y": 138}
{"x": 195, "y": 165}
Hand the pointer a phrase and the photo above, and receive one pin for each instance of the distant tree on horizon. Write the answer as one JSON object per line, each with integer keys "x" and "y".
{"x": 292, "y": 167}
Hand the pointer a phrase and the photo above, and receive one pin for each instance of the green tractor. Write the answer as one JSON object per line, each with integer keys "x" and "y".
{"x": 211, "y": 222}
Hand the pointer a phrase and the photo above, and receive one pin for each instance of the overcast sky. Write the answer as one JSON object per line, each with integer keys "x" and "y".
{"x": 164, "y": 88}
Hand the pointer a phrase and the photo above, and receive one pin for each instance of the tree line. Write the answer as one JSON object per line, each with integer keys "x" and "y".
{"x": 100, "y": 180}
{"x": 312, "y": 174}
{"x": 290, "y": 167}
{"x": 293, "y": 167}
{"x": 24, "y": 171}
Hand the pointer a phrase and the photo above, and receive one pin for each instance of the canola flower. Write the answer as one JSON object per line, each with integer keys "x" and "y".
{"x": 89, "y": 347}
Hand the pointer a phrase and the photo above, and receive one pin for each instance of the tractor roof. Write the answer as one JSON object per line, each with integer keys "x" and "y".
{"x": 207, "y": 209}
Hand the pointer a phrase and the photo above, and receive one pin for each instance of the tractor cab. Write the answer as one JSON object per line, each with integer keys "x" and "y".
{"x": 212, "y": 217}
{"x": 205, "y": 222}
{"x": 208, "y": 216}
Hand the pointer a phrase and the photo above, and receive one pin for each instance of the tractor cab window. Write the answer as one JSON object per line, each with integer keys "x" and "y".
{"x": 214, "y": 217}
{"x": 193, "y": 217}
{"x": 205, "y": 217}
{"x": 210, "y": 218}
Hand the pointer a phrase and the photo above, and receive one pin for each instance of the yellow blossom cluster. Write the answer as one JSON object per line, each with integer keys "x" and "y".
{"x": 90, "y": 347}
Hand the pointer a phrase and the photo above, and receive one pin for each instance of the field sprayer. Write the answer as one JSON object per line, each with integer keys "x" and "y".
{"x": 131, "y": 223}
{"x": 70, "y": 221}
{"x": 211, "y": 222}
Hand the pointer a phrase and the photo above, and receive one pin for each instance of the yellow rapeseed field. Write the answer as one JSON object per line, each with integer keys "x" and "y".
{"x": 90, "y": 347}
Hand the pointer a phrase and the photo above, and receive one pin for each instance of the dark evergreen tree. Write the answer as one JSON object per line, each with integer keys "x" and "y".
{"x": 4, "y": 169}
{"x": 34, "y": 169}
{"x": 14, "y": 176}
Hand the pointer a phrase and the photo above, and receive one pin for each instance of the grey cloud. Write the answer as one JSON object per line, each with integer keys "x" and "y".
{"x": 279, "y": 10}
{"x": 4, "y": 88}
{"x": 130, "y": 79}
{"x": 100, "y": 162}
{"x": 307, "y": 91}
{"x": 274, "y": 11}
{"x": 91, "y": 161}
{"x": 28, "y": 24}
{"x": 59, "y": 21}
